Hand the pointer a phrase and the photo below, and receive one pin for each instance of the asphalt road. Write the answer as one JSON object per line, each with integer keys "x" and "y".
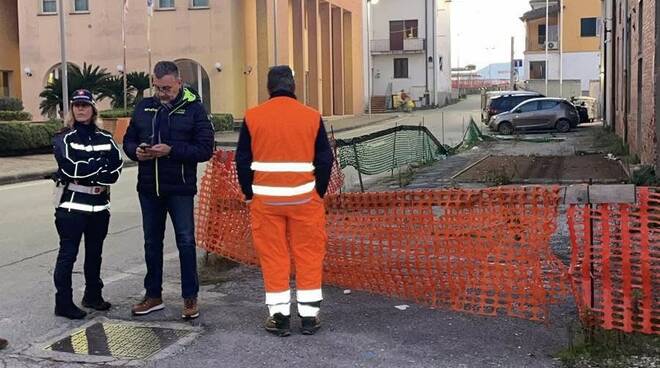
{"x": 360, "y": 329}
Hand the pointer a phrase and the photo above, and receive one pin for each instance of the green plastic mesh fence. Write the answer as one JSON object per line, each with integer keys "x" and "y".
{"x": 389, "y": 149}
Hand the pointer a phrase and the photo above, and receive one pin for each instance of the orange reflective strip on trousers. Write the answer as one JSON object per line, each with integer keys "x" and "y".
{"x": 285, "y": 233}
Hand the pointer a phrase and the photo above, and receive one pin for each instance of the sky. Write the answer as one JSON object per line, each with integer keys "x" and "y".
{"x": 482, "y": 30}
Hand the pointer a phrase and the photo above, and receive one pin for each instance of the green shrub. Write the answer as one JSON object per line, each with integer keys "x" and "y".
{"x": 18, "y": 138}
{"x": 116, "y": 113}
{"x": 15, "y": 116}
{"x": 10, "y": 104}
{"x": 222, "y": 122}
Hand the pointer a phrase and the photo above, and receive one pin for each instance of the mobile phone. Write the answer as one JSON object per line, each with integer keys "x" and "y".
{"x": 144, "y": 145}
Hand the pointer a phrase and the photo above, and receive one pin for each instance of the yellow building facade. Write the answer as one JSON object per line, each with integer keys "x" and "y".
{"x": 224, "y": 48}
{"x": 579, "y": 43}
{"x": 10, "y": 75}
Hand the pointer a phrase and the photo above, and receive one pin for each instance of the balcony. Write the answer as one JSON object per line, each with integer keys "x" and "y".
{"x": 393, "y": 47}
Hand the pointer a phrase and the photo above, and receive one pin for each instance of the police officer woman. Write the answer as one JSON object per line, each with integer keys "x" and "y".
{"x": 89, "y": 161}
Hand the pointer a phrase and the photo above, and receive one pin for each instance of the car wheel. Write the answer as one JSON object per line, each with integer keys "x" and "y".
{"x": 563, "y": 126}
{"x": 505, "y": 128}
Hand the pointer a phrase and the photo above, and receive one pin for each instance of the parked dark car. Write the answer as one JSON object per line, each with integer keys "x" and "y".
{"x": 537, "y": 113}
{"x": 506, "y": 102}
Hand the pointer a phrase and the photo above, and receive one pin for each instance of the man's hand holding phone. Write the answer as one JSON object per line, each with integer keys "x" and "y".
{"x": 144, "y": 153}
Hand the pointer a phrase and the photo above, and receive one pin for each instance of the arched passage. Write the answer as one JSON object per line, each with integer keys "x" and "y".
{"x": 193, "y": 74}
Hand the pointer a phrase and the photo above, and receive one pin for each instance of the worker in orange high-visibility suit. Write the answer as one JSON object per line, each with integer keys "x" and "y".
{"x": 284, "y": 162}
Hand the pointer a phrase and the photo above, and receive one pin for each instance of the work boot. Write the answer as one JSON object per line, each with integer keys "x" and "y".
{"x": 279, "y": 325}
{"x": 190, "y": 309}
{"x": 309, "y": 325}
{"x": 70, "y": 311}
{"x": 98, "y": 304}
{"x": 3, "y": 343}
{"x": 148, "y": 305}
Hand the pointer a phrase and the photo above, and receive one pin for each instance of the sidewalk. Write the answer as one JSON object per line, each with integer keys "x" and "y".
{"x": 332, "y": 124}
{"x": 33, "y": 167}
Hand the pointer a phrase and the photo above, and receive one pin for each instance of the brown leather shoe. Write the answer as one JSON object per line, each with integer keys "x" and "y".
{"x": 3, "y": 343}
{"x": 190, "y": 309}
{"x": 147, "y": 306}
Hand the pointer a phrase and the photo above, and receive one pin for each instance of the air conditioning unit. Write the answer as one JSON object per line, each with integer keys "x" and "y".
{"x": 552, "y": 45}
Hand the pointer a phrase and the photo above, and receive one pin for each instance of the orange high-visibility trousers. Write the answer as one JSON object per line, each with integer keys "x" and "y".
{"x": 280, "y": 231}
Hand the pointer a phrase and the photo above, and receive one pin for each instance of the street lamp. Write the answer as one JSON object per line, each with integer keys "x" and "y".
{"x": 369, "y": 61}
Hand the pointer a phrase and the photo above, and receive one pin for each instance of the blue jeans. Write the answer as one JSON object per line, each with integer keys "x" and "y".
{"x": 154, "y": 215}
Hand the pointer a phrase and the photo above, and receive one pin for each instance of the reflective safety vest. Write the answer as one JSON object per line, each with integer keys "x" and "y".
{"x": 283, "y": 133}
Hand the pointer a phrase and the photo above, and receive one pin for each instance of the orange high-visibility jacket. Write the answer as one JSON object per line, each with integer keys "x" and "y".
{"x": 283, "y": 153}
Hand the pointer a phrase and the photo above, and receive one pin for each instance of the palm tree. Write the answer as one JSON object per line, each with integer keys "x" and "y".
{"x": 114, "y": 90}
{"x": 92, "y": 78}
{"x": 139, "y": 81}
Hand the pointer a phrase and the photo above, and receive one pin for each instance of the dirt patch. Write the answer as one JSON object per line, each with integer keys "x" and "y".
{"x": 545, "y": 169}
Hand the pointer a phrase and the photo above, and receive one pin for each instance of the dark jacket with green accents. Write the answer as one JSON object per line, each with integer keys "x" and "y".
{"x": 183, "y": 125}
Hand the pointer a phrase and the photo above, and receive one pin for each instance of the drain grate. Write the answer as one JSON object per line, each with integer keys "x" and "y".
{"x": 119, "y": 340}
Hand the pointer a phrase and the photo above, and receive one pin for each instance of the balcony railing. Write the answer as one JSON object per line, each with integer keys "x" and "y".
{"x": 410, "y": 45}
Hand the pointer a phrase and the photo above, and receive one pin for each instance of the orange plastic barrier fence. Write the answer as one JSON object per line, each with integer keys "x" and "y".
{"x": 477, "y": 251}
{"x": 615, "y": 263}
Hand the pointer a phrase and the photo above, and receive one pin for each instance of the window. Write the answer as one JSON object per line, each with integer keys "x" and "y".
{"x": 81, "y": 5}
{"x": 199, "y": 4}
{"x": 49, "y": 6}
{"x": 537, "y": 70}
{"x": 401, "y": 30}
{"x": 549, "y": 105}
{"x": 4, "y": 83}
{"x": 541, "y": 34}
{"x": 165, "y": 4}
{"x": 529, "y": 106}
{"x": 401, "y": 68}
{"x": 588, "y": 28}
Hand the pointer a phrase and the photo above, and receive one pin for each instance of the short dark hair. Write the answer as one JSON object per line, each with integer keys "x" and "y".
{"x": 164, "y": 68}
{"x": 280, "y": 79}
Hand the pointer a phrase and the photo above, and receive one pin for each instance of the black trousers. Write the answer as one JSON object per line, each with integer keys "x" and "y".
{"x": 71, "y": 226}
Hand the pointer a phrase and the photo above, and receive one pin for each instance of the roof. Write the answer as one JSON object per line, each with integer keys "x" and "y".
{"x": 539, "y": 13}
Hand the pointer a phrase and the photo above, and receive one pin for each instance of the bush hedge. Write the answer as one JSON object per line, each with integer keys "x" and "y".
{"x": 116, "y": 113}
{"x": 15, "y": 116}
{"x": 10, "y": 104}
{"x": 20, "y": 138}
{"x": 222, "y": 122}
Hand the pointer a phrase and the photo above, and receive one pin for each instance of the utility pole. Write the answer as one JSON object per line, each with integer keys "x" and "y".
{"x": 561, "y": 48}
{"x": 513, "y": 65}
{"x": 275, "y": 32}
{"x": 547, "y": 34}
{"x": 65, "y": 65}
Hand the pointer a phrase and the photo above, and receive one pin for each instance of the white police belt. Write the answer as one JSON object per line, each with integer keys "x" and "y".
{"x": 94, "y": 190}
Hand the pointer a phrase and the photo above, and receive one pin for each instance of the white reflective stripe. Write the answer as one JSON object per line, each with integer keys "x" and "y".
{"x": 285, "y": 309}
{"x": 90, "y": 148}
{"x": 283, "y": 191}
{"x": 308, "y": 296}
{"x": 282, "y": 297}
{"x": 283, "y": 166}
{"x": 308, "y": 311}
{"x": 84, "y": 207}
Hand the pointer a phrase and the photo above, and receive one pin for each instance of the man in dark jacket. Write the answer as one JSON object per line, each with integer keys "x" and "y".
{"x": 169, "y": 135}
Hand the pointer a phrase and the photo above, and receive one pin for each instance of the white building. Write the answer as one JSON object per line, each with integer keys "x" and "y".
{"x": 410, "y": 45}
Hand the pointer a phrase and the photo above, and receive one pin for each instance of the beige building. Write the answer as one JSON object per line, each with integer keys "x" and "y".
{"x": 10, "y": 75}
{"x": 573, "y": 55}
{"x": 224, "y": 48}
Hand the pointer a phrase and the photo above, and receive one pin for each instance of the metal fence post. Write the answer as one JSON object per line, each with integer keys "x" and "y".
{"x": 357, "y": 166}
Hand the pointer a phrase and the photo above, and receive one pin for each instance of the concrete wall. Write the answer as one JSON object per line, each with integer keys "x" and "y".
{"x": 571, "y": 87}
{"x": 9, "y": 51}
